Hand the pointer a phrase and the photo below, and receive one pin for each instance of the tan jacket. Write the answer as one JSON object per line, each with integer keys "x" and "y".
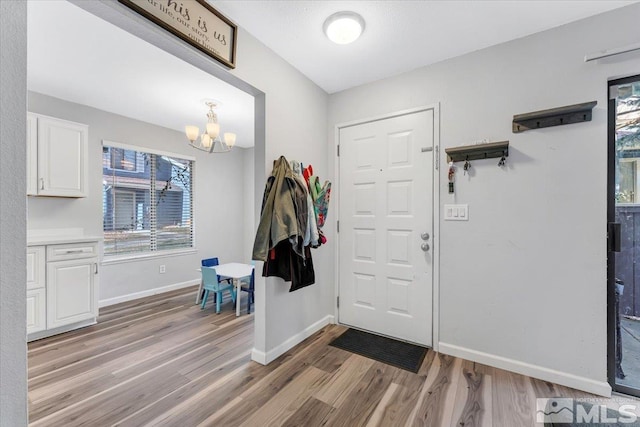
{"x": 284, "y": 212}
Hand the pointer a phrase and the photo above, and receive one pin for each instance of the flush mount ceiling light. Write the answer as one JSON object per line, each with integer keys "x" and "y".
{"x": 343, "y": 27}
{"x": 210, "y": 140}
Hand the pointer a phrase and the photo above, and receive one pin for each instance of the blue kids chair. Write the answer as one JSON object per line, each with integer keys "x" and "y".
{"x": 211, "y": 283}
{"x": 249, "y": 288}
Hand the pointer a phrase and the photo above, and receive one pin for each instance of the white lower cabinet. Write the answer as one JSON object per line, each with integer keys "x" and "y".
{"x": 62, "y": 287}
{"x": 35, "y": 267}
{"x": 71, "y": 295}
{"x": 36, "y": 310}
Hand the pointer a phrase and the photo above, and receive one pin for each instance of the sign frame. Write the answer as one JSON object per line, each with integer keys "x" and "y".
{"x": 229, "y": 26}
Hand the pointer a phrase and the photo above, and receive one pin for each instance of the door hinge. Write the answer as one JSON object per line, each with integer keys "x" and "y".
{"x": 338, "y": 226}
{"x": 437, "y": 157}
{"x": 338, "y": 302}
{"x": 338, "y": 148}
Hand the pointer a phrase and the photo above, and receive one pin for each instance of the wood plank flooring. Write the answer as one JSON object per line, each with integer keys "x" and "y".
{"x": 161, "y": 361}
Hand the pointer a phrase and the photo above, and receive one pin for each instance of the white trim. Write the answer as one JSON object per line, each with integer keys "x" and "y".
{"x": 56, "y": 118}
{"x": 271, "y": 355}
{"x": 120, "y": 259}
{"x": 114, "y": 144}
{"x": 336, "y": 209}
{"x": 601, "y": 388}
{"x": 391, "y": 115}
{"x": 147, "y": 293}
{"x": 611, "y": 52}
{"x": 435, "y": 333}
{"x": 437, "y": 160}
{"x": 259, "y": 356}
{"x": 60, "y": 329}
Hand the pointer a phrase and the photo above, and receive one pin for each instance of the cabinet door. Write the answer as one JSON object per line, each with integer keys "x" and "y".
{"x": 62, "y": 158}
{"x": 32, "y": 154}
{"x": 36, "y": 310}
{"x": 71, "y": 291}
{"x": 35, "y": 267}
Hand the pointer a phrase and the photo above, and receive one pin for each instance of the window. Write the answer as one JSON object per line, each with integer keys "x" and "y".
{"x": 147, "y": 201}
{"x": 127, "y": 160}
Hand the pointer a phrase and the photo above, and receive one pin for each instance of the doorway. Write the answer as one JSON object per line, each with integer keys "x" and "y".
{"x": 623, "y": 212}
{"x": 134, "y": 209}
{"x": 386, "y": 225}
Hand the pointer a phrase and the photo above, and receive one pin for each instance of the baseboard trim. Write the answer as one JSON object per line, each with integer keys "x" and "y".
{"x": 59, "y": 330}
{"x": 146, "y": 293}
{"x": 259, "y": 356}
{"x": 271, "y": 355}
{"x": 601, "y": 388}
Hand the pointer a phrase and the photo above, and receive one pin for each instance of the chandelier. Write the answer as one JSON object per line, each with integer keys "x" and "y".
{"x": 210, "y": 140}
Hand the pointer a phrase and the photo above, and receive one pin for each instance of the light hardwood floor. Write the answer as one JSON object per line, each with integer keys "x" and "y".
{"x": 162, "y": 361}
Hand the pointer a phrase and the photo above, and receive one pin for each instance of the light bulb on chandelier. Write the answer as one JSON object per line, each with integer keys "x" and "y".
{"x": 210, "y": 140}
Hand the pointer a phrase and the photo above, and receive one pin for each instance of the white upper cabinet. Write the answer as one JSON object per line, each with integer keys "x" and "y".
{"x": 61, "y": 157}
{"x": 32, "y": 154}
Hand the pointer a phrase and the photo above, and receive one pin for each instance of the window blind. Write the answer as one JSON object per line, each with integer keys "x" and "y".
{"x": 147, "y": 201}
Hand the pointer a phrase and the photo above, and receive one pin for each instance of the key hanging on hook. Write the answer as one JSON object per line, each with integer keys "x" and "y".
{"x": 466, "y": 166}
{"x": 451, "y": 176}
{"x": 503, "y": 160}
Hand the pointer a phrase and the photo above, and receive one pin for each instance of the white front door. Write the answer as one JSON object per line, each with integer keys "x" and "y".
{"x": 386, "y": 223}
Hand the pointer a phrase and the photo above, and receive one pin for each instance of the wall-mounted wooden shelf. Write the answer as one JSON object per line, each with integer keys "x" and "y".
{"x": 577, "y": 113}
{"x": 478, "y": 151}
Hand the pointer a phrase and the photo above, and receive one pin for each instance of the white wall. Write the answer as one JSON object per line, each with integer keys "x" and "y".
{"x": 13, "y": 236}
{"x": 218, "y": 208}
{"x": 249, "y": 192}
{"x": 296, "y": 112}
{"x": 523, "y": 282}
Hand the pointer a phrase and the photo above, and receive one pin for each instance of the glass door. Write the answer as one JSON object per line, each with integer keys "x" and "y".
{"x": 624, "y": 235}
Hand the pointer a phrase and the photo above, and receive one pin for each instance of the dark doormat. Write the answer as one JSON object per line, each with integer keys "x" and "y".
{"x": 386, "y": 350}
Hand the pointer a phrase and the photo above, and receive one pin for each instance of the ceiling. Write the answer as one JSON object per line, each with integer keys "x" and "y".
{"x": 78, "y": 57}
{"x": 399, "y": 35}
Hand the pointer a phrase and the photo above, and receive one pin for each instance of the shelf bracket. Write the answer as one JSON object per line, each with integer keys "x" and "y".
{"x": 478, "y": 151}
{"x": 569, "y": 114}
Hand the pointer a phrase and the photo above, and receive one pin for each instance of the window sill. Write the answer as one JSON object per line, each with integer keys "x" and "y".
{"x": 120, "y": 259}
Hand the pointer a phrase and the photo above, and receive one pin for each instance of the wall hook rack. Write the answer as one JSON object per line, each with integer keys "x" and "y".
{"x": 478, "y": 151}
{"x": 569, "y": 114}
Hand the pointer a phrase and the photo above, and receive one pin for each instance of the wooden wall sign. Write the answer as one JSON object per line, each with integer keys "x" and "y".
{"x": 195, "y": 22}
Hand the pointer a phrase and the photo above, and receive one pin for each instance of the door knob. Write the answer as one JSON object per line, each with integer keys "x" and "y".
{"x": 424, "y": 247}
{"x": 425, "y": 236}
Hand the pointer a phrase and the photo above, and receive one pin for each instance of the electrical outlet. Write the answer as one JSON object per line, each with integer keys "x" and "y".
{"x": 163, "y": 269}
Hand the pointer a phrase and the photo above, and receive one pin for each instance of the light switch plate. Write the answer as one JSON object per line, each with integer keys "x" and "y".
{"x": 456, "y": 212}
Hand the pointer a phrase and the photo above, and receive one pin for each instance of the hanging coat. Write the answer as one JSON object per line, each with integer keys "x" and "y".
{"x": 284, "y": 212}
{"x": 284, "y": 263}
{"x": 311, "y": 236}
{"x": 320, "y": 196}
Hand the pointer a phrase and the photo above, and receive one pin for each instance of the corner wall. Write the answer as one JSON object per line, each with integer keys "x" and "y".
{"x": 296, "y": 112}
{"x": 291, "y": 120}
{"x": 13, "y": 217}
{"x": 523, "y": 282}
{"x": 249, "y": 192}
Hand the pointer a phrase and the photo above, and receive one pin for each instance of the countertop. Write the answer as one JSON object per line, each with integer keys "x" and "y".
{"x": 60, "y": 240}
